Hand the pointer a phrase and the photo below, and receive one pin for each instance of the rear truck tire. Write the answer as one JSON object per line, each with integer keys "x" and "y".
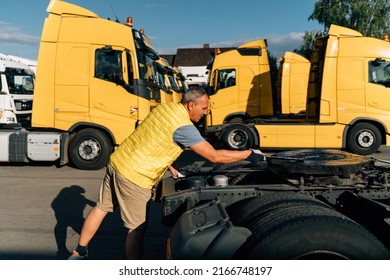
{"x": 243, "y": 213}
{"x": 364, "y": 139}
{"x": 311, "y": 233}
{"x": 90, "y": 149}
{"x": 317, "y": 162}
{"x": 237, "y": 137}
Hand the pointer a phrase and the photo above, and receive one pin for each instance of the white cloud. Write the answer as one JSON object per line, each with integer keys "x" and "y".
{"x": 279, "y": 44}
{"x": 10, "y": 34}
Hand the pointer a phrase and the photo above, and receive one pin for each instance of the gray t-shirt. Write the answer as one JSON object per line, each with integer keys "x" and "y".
{"x": 187, "y": 136}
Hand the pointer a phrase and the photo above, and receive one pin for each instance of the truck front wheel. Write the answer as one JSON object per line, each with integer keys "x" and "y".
{"x": 364, "y": 139}
{"x": 237, "y": 137}
{"x": 89, "y": 149}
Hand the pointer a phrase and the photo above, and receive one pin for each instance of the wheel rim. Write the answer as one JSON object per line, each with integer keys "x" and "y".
{"x": 238, "y": 138}
{"x": 366, "y": 139}
{"x": 89, "y": 149}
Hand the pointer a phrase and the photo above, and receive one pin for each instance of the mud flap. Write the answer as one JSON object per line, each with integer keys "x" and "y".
{"x": 205, "y": 232}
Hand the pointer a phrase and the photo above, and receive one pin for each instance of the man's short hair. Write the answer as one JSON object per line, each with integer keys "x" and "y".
{"x": 193, "y": 95}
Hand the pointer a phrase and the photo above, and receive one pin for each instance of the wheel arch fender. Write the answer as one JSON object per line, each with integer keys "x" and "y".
{"x": 256, "y": 136}
{"x": 83, "y": 125}
{"x": 236, "y": 115}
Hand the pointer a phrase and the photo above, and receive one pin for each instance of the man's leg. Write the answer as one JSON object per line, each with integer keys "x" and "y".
{"x": 91, "y": 225}
{"x": 134, "y": 244}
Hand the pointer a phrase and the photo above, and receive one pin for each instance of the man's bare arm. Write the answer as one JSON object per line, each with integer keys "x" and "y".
{"x": 208, "y": 152}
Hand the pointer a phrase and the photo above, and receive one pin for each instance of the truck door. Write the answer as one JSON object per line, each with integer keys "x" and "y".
{"x": 224, "y": 99}
{"x": 113, "y": 103}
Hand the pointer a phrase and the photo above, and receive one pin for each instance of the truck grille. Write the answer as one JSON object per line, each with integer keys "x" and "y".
{"x": 23, "y": 105}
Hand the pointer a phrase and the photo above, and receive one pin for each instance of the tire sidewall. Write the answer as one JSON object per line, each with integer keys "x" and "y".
{"x": 234, "y": 128}
{"x": 353, "y": 135}
{"x": 97, "y": 163}
{"x": 294, "y": 231}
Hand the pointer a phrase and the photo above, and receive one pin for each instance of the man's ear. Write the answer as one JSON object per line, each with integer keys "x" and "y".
{"x": 191, "y": 105}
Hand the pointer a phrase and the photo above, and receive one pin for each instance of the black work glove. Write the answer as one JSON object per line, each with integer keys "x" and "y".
{"x": 255, "y": 157}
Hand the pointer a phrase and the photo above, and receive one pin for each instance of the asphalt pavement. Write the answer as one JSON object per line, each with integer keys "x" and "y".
{"x": 43, "y": 207}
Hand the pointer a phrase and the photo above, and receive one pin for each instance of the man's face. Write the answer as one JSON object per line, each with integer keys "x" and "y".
{"x": 197, "y": 111}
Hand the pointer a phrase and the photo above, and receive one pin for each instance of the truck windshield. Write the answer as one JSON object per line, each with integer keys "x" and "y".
{"x": 161, "y": 78}
{"x": 182, "y": 82}
{"x": 20, "y": 81}
{"x": 147, "y": 69}
{"x": 173, "y": 82}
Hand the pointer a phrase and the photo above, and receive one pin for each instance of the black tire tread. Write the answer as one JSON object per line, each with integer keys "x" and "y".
{"x": 287, "y": 232}
{"x": 253, "y": 208}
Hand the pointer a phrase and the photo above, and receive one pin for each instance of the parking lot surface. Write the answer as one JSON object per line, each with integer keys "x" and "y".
{"x": 43, "y": 208}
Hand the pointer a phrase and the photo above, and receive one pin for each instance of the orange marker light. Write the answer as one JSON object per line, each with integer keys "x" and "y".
{"x": 129, "y": 21}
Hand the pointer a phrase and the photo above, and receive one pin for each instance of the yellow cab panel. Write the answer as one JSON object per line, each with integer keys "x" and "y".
{"x": 293, "y": 78}
{"x": 241, "y": 83}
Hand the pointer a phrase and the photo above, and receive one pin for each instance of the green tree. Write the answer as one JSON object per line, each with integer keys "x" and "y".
{"x": 369, "y": 17}
{"x": 307, "y": 46}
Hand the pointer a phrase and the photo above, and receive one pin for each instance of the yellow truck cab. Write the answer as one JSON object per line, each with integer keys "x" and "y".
{"x": 181, "y": 81}
{"x": 172, "y": 82}
{"x": 293, "y": 78}
{"x": 177, "y": 82}
{"x": 239, "y": 84}
{"x": 166, "y": 90}
{"x": 96, "y": 79}
{"x": 347, "y": 104}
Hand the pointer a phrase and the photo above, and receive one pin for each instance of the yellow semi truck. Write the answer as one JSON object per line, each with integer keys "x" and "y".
{"x": 177, "y": 82}
{"x": 240, "y": 84}
{"x": 95, "y": 81}
{"x": 346, "y": 101}
{"x": 171, "y": 88}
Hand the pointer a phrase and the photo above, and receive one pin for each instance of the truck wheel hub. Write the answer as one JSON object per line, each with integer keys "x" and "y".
{"x": 89, "y": 149}
{"x": 366, "y": 139}
{"x": 237, "y": 137}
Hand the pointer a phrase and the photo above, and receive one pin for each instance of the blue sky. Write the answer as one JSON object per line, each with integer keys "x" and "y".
{"x": 172, "y": 24}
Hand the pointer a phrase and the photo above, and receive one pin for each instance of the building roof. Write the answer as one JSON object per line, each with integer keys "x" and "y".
{"x": 170, "y": 58}
{"x": 193, "y": 56}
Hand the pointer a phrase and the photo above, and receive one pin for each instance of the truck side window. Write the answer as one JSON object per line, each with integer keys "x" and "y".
{"x": 379, "y": 72}
{"x": 108, "y": 65}
{"x": 226, "y": 78}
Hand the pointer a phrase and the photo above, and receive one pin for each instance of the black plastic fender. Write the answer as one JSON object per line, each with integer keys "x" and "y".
{"x": 205, "y": 232}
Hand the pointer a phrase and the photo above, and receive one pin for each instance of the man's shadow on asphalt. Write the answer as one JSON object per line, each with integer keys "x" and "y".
{"x": 69, "y": 206}
{"x": 68, "y": 209}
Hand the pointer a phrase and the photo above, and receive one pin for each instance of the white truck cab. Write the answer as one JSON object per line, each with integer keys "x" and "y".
{"x": 17, "y": 82}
